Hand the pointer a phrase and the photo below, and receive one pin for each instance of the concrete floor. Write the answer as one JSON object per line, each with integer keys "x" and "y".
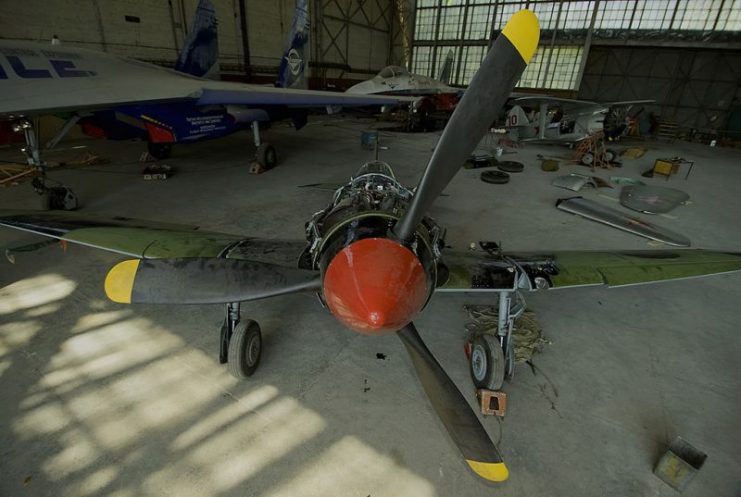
{"x": 103, "y": 399}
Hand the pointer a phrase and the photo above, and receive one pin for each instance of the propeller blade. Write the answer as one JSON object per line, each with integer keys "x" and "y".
{"x": 487, "y": 93}
{"x": 462, "y": 424}
{"x": 203, "y": 281}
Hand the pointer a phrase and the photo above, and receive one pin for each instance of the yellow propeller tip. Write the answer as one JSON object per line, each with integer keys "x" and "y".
{"x": 119, "y": 283}
{"x": 523, "y": 31}
{"x": 492, "y": 471}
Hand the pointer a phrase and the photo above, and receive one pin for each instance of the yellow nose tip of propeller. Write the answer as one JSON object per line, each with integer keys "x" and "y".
{"x": 523, "y": 31}
{"x": 492, "y": 471}
{"x": 120, "y": 281}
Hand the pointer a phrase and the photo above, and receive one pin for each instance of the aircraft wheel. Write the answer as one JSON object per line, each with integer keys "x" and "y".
{"x": 159, "y": 151}
{"x": 487, "y": 362}
{"x": 610, "y": 155}
{"x": 266, "y": 156}
{"x": 245, "y": 347}
{"x": 510, "y": 166}
{"x": 587, "y": 159}
{"x": 496, "y": 177}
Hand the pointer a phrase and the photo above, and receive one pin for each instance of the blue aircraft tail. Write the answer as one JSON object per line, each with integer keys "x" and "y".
{"x": 200, "y": 53}
{"x": 292, "y": 72}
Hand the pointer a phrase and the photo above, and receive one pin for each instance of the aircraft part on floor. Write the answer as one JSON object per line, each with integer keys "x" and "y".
{"x": 623, "y": 180}
{"x": 573, "y": 182}
{"x": 613, "y": 217}
{"x": 510, "y": 166}
{"x": 652, "y": 199}
{"x": 495, "y": 177}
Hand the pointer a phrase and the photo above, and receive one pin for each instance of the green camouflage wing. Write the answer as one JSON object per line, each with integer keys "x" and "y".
{"x": 151, "y": 240}
{"x": 493, "y": 271}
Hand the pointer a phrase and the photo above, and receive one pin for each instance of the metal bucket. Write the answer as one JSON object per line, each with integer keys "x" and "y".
{"x": 679, "y": 464}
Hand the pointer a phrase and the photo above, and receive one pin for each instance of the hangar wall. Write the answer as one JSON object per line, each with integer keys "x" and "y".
{"x": 696, "y": 88}
{"x": 350, "y": 38}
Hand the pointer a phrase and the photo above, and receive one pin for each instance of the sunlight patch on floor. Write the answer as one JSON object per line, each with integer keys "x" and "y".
{"x": 34, "y": 292}
{"x": 211, "y": 424}
{"x": 240, "y": 450}
{"x": 351, "y": 467}
{"x": 17, "y": 334}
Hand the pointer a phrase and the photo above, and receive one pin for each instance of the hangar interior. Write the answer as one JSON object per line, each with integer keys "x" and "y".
{"x": 561, "y": 185}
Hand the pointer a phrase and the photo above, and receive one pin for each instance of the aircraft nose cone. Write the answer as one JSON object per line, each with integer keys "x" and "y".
{"x": 375, "y": 286}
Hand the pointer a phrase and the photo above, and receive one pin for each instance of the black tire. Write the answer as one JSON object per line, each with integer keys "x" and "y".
{"x": 495, "y": 177}
{"x": 510, "y": 166}
{"x": 159, "y": 151}
{"x": 610, "y": 155}
{"x": 587, "y": 159}
{"x": 61, "y": 198}
{"x": 487, "y": 362}
{"x": 245, "y": 348}
{"x": 266, "y": 156}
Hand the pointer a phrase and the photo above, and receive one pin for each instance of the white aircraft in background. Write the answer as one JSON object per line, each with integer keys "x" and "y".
{"x": 396, "y": 80}
{"x": 565, "y": 120}
{"x": 119, "y": 98}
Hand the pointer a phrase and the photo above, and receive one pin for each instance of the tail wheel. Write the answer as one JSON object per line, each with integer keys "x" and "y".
{"x": 245, "y": 348}
{"x": 487, "y": 362}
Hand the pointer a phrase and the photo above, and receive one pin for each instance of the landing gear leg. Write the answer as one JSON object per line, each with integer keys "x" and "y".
{"x": 511, "y": 307}
{"x": 265, "y": 156}
{"x": 493, "y": 356}
{"x": 55, "y": 197}
{"x": 240, "y": 345}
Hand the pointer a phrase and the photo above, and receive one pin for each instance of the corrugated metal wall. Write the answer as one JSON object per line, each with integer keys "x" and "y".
{"x": 694, "y": 87}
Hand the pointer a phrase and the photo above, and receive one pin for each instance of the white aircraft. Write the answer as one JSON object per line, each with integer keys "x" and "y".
{"x": 396, "y": 80}
{"x": 565, "y": 120}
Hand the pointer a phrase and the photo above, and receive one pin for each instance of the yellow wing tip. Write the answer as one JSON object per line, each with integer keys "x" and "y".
{"x": 119, "y": 283}
{"x": 523, "y": 31}
{"x": 492, "y": 471}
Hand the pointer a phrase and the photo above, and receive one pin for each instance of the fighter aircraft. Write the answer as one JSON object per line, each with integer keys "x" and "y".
{"x": 121, "y": 98}
{"x": 397, "y": 80}
{"x": 374, "y": 257}
{"x": 567, "y": 121}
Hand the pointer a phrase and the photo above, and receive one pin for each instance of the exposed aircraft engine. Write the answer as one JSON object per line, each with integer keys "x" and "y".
{"x": 355, "y": 227}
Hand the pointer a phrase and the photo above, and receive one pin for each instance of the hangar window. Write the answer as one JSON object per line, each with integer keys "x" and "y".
{"x": 468, "y": 24}
{"x": 547, "y": 13}
{"x": 576, "y": 15}
{"x": 478, "y": 25}
{"x": 553, "y": 67}
{"x": 422, "y": 57}
{"x": 697, "y": 14}
{"x": 424, "y": 24}
{"x": 451, "y": 21}
{"x": 471, "y": 58}
{"x": 729, "y": 18}
{"x": 615, "y": 15}
{"x": 654, "y": 15}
